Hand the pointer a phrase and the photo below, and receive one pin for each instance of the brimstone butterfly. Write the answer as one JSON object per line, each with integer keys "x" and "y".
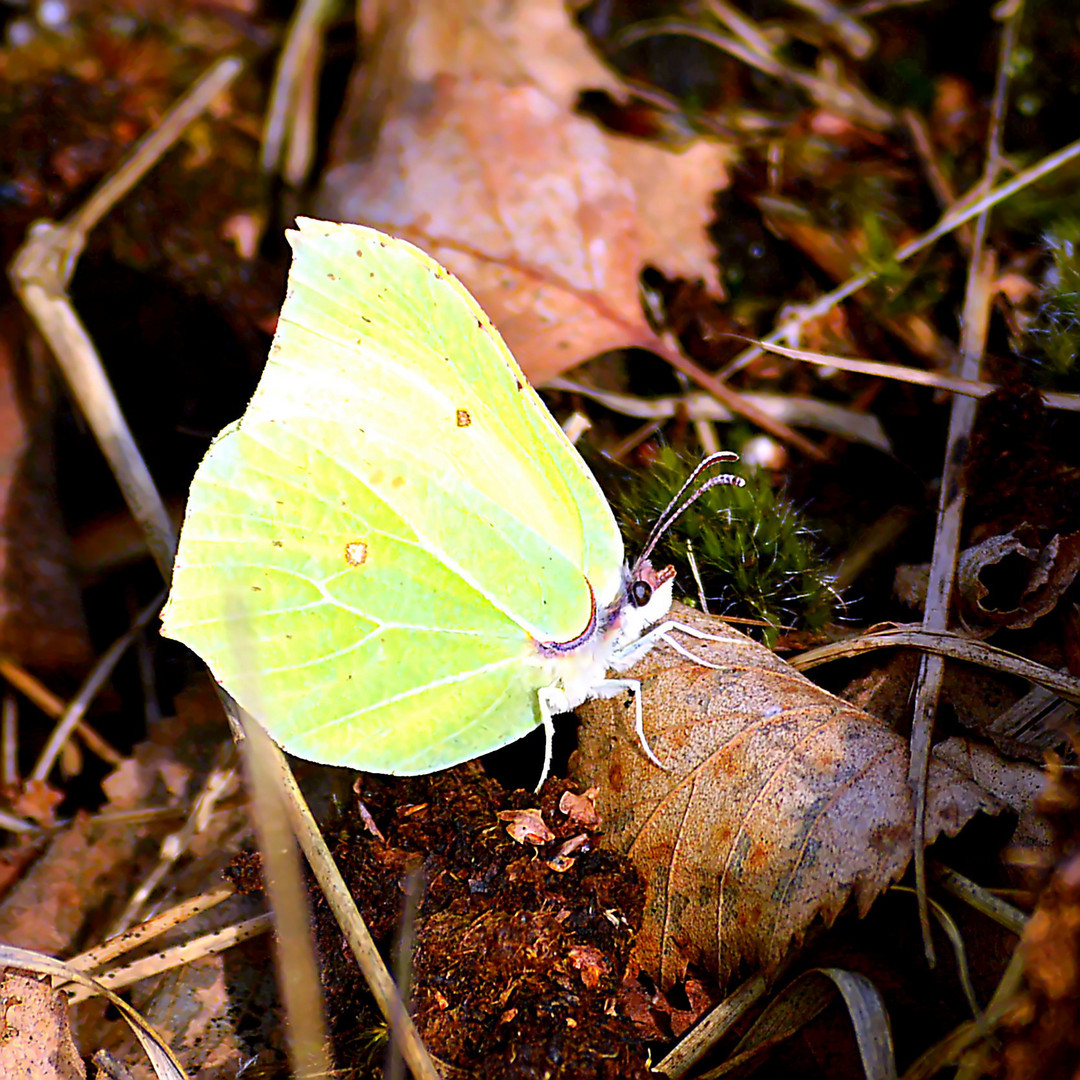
{"x": 424, "y": 567}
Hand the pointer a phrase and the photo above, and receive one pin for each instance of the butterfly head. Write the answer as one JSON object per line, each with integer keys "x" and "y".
{"x": 648, "y": 588}
{"x": 646, "y": 598}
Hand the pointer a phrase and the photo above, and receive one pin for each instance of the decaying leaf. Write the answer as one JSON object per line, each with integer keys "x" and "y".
{"x": 1018, "y": 784}
{"x": 76, "y": 875}
{"x": 580, "y": 809}
{"x": 1006, "y": 581}
{"x": 777, "y": 803}
{"x": 547, "y": 218}
{"x": 655, "y": 1015}
{"x": 36, "y": 1038}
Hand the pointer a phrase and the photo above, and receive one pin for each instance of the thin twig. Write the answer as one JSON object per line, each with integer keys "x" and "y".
{"x": 971, "y": 206}
{"x": 161, "y": 923}
{"x": 178, "y": 956}
{"x": 220, "y": 782}
{"x": 9, "y": 742}
{"x": 164, "y": 1061}
{"x": 744, "y": 28}
{"x": 41, "y": 271}
{"x": 714, "y": 1026}
{"x": 875, "y": 7}
{"x": 665, "y": 347}
{"x": 940, "y": 184}
{"x": 978, "y": 300}
{"x": 847, "y": 422}
{"x": 972, "y": 1032}
{"x": 404, "y": 959}
{"x": 857, "y": 39}
{"x": 973, "y": 388}
{"x": 54, "y": 708}
{"x": 352, "y": 924}
{"x": 298, "y": 973}
{"x": 847, "y": 100}
{"x": 89, "y": 690}
{"x": 944, "y": 643}
{"x": 982, "y": 900}
{"x": 291, "y": 116}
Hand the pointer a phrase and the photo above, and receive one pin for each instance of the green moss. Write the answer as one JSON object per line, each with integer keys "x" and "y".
{"x": 756, "y": 557}
{"x": 1053, "y": 335}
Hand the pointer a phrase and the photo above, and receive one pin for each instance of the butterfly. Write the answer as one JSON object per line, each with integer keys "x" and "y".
{"x": 395, "y": 559}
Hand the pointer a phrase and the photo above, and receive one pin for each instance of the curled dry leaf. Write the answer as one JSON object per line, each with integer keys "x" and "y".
{"x": 547, "y": 218}
{"x": 659, "y": 1016}
{"x": 563, "y": 859}
{"x": 580, "y": 809}
{"x": 1004, "y": 582}
{"x": 526, "y": 826}
{"x": 777, "y": 802}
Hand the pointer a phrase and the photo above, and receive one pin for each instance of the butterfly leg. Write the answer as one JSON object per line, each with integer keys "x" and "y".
{"x": 552, "y": 702}
{"x": 610, "y": 688}
{"x": 631, "y": 653}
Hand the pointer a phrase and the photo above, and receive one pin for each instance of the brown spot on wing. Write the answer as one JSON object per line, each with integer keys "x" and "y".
{"x": 356, "y": 552}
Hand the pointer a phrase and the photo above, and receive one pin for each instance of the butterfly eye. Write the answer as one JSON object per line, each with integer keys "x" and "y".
{"x": 640, "y": 593}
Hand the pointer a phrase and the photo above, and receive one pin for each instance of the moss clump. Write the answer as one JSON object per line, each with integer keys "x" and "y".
{"x": 756, "y": 557}
{"x": 1053, "y": 335}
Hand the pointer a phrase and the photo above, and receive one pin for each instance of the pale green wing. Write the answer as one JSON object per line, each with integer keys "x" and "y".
{"x": 374, "y": 548}
{"x": 374, "y": 333}
{"x": 328, "y": 615}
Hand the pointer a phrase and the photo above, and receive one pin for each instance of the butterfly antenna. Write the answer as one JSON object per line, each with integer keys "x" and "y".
{"x": 662, "y": 522}
{"x": 678, "y": 505}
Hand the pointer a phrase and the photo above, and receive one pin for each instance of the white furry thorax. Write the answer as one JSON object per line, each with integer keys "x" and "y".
{"x": 580, "y": 671}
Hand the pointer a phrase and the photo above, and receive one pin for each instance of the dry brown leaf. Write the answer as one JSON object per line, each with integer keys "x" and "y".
{"x": 47, "y": 910}
{"x": 657, "y": 1017}
{"x": 1003, "y": 581}
{"x": 508, "y": 41}
{"x": 1018, "y": 784}
{"x": 41, "y": 617}
{"x": 37, "y": 800}
{"x": 545, "y": 217}
{"x": 777, "y": 803}
{"x": 36, "y": 1040}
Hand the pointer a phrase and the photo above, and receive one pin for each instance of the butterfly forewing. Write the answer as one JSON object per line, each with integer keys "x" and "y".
{"x": 393, "y": 523}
